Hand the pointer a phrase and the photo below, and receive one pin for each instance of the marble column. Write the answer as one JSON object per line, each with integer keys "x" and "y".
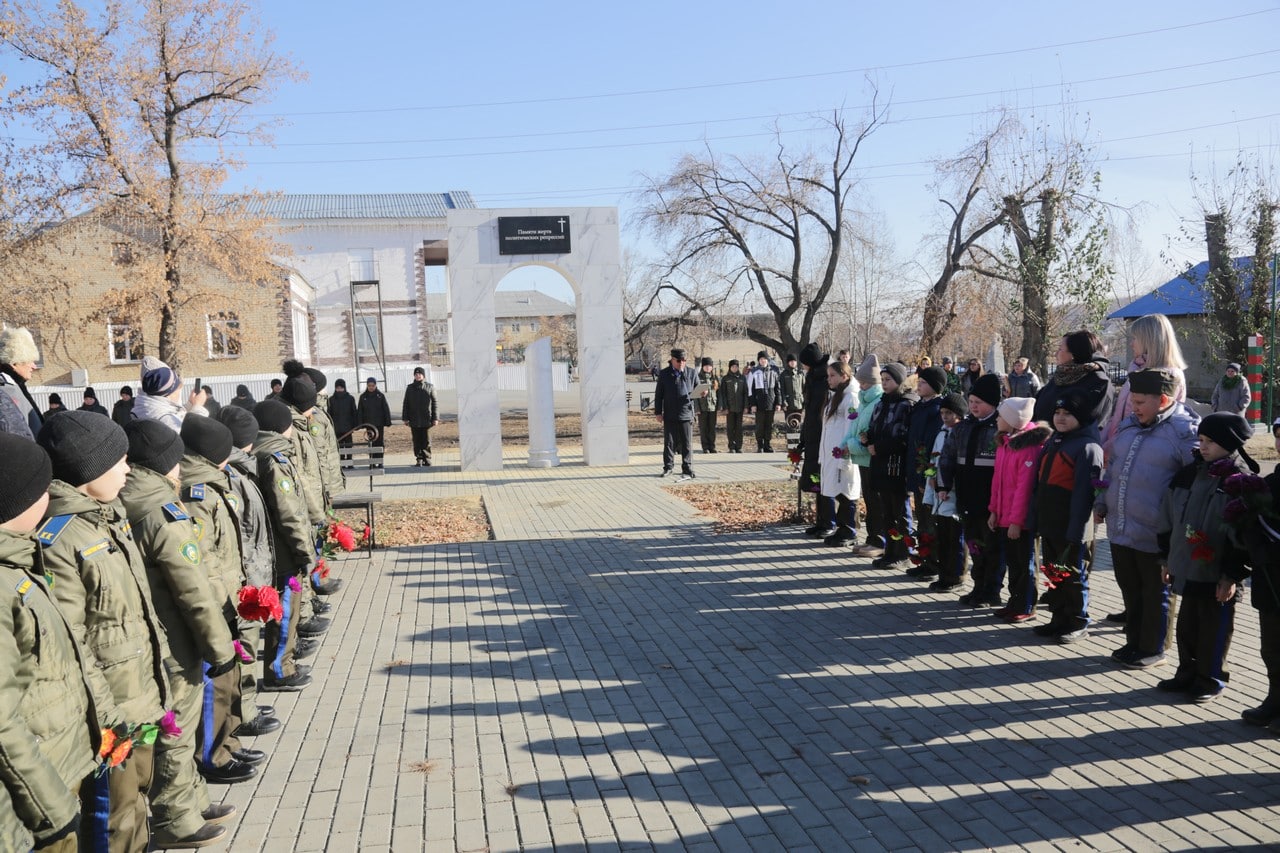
{"x": 542, "y": 405}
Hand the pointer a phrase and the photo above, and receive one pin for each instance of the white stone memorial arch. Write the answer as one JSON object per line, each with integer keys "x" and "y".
{"x": 591, "y": 265}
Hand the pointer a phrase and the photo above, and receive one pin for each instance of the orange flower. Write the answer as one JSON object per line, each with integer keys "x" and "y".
{"x": 121, "y": 752}
{"x": 108, "y": 743}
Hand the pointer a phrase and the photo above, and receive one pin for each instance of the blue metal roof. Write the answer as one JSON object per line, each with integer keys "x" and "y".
{"x": 1179, "y": 297}
{"x": 293, "y": 206}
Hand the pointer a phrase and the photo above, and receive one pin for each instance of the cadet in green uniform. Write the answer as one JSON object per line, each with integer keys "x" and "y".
{"x": 792, "y": 382}
{"x": 300, "y": 395}
{"x": 257, "y": 551}
{"x": 100, "y": 584}
{"x": 705, "y": 406}
{"x": 295, "y": 546}
{"x": 335, "y": 482}
{"x": 206, "y": 487}
{"x": 49, "y": 734}
{"x": 193, "y": 621}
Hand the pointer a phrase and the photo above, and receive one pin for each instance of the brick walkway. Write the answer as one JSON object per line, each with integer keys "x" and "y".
{"x": 608, "y": 675}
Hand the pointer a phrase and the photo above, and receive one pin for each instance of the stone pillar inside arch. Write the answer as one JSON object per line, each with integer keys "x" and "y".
{"x": 542, "y": 405}
{"x": 593, "y": 269}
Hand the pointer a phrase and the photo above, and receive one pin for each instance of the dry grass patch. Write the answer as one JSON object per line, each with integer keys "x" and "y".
{"x": 738, "y": 507}
{"x": 426, "y": 521}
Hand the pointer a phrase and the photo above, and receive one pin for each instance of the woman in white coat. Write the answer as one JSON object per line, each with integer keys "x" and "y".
{"x": 838, "y": 477}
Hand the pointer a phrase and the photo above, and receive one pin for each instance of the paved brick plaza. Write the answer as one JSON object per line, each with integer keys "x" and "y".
{"x": 608, "y": 675}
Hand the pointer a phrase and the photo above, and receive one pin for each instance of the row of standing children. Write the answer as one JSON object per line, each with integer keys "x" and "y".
{"x": 988, "y": 480}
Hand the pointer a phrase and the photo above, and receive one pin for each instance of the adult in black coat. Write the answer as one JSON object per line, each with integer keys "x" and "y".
{"x": 419, "y": 412}
{"x": 122, "y": 411}
{"x": 342, "y": 411}
{"x": 815, "y": 399}
{"x": 1081, "y": 364}
{"x": 374, "y": 411}
{"x": 673, "y": 404}
{"x": 243, "y": 398}
{"x": 91, "y": 403}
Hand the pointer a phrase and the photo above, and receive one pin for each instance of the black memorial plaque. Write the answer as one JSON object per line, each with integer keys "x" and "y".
{"x": 533, "y": 235}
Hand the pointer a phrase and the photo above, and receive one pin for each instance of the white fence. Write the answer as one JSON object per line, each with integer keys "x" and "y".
{"x": 511, "y": 377}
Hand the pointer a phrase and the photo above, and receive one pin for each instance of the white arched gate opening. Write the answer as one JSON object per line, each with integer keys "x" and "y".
{"x": 588, "y": 257}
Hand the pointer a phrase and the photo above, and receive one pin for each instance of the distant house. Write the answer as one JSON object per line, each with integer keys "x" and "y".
{"x": 520, "y": 317}
{"x": 1182, "y": 300}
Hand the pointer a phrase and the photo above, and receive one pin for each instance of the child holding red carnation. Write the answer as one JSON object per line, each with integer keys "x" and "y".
{"x": 1202, "y": 559}
{"x": 1069, "y": 464}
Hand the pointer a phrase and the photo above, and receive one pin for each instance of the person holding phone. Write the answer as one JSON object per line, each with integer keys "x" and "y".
{"x": 162, "y": 395}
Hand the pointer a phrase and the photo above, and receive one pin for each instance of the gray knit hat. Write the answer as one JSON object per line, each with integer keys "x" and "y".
{"x": 869, "y": 370}
{"x": 82, "y": 445}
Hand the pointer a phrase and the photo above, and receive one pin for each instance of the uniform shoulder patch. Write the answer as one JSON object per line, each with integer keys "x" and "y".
{"x": 190, "y": 552}
{"x": 196, "y": 492}
{"x": 234, "y": 501}
{"x": 52, "y": 529}
{"x": 314, "y": 429}
{"x": 198, "y": 524}
{"x": 99, "y": 547}
{"x": 280, "y": 457}
{"x": 175, "y": 512}
{"x": 285, "y": 484}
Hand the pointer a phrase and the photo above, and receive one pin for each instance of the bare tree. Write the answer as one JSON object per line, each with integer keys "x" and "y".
{"x": 745, "y": 234}
{"x": 131, "y": 107}
{"x": 1026, "y": 211}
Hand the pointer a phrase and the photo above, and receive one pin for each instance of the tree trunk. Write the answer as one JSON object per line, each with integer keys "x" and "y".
{"x": 1221, "y": 285}
{"x": 1035, "y": 257}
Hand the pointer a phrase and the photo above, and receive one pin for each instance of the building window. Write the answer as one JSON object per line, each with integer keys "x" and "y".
{"x": 124, "y": 344}
{"x": 361, "y": 265}
{"x": 534, "y": 325}
{"x": 515, "y": 327}
{"x": 121, "y": 254}
{"x": 368, "y": 341}
{"x": 224, "y": 334}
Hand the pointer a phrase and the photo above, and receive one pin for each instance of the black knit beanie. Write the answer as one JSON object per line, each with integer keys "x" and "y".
{"x": 936, "y": 377}
{"x": 82, "y": 445}
{"x": 1078, "y": 402}
{"x": 273, "y": 416}
{"x": 241, "y": 422}
{"x": 896, "y": 371}
{"x": 987, "y": 389}
{"x": 154, "y": 446}
{"x": 318, "y": 378}
{"x": 299, "y": 392}
{"x": 206, "y": 437}
{"x": 26, "y": 472}
{"x": 954, "y": 402}
{"x": 811, "y": 355}
{"x": 1226, "y": 429}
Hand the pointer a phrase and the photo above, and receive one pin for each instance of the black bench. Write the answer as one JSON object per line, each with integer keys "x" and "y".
{"x": 361, "y": 460}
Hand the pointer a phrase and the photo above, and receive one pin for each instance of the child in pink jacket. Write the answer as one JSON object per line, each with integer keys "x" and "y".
{"x": 1017, "y": 449}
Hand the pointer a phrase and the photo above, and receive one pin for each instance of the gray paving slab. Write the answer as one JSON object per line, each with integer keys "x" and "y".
{"x": 608, "y": 674}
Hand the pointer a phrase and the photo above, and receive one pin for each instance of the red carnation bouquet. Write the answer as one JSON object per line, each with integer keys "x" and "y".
{"x": 260, "y": 604}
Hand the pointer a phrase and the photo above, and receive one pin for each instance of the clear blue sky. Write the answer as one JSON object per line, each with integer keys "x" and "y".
{"x": 541, "y": 104}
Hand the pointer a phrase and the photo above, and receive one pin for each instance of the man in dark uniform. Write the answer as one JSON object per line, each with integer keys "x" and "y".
{"x": 374, "y": 411}
{"x": 733, "y": 402}
{"x": 342, "y": 411}
{"x": 673, "y": 404}
{"x": 419, "y": 412}
{"x": 792, "y": 382}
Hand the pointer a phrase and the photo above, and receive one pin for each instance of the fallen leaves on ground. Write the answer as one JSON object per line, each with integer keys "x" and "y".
{"x": 738, "y": 507}
{"x": 421, "y": 766}
{"x": 425, "y": 521}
